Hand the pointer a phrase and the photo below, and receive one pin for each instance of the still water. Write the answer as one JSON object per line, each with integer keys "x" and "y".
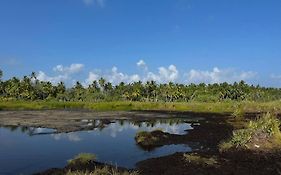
{"x": 29, "y": 150}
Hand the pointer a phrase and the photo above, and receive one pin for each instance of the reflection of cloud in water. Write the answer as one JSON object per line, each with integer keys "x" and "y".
{"x": 115, "y": 128}
{"x": 33, "y": 130}
{"x": 172, "y": 129}
{"x": 73, "y": 137}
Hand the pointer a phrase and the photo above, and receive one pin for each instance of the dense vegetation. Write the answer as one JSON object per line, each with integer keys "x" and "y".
{"x": 30, "y": 88}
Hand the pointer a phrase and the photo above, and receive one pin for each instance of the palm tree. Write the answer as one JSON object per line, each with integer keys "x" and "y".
{"x": 108, "y": 87}
{"x": 61, "y": 88}
{"x": 94, "y": 87}
{"x": 79, "y": 91}
{"x": 102, "y": 82}
{"x": 151, "y": 87}
{"x": 33, "y": 76}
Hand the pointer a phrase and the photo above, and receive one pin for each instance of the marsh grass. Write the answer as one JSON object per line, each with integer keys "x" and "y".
{"x": 198, "y": 160}
{"x": 238, "y": 112}
{"x": 82, "y": 158}
{"x": 103, "y": 171}
{"x": 262, "y": 132}
{"x": 146, "y": 138}
{"x": 205, "y": 107}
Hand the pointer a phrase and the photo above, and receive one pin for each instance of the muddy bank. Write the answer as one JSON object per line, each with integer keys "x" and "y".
{"x": 77, "y": 120}
{"x": 234, "y": 163}
{"x": 209, "y": 134}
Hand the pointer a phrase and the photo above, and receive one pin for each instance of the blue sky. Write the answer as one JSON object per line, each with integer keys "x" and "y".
{"x": 175, "y": 40}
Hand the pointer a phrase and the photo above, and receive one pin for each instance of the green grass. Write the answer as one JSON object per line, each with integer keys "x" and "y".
{"x": 82, "y": 158}
{"x": 262, "y": 132}
{"x": 218, "y": 107}
{"x": 103, "y": 171}
{"x": 237, "y": 109}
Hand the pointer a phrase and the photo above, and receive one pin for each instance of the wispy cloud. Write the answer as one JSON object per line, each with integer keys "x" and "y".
{"x": 276, "y": 77}
{"x": 10, "y": 61}
{"x": 72, "y": 69}
{"x": 100, "y": 3}
{"x": 88, "y": 2}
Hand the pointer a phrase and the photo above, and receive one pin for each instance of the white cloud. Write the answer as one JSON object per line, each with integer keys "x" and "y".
{"x": 165, "y": 75}
{"x": 135, "y": 78}
{"x": 142, "y": 64}
{"x": 170, "y": 74}
{"x": 162, "y": 75}
{"x": 218, "y": 75}
{"x": 64, "y": 73}
{"x": 92, "y": 77}
{"x": 114, "y": 77}
{"x": 72, "y": 69}
{"x": 55, "y": 79}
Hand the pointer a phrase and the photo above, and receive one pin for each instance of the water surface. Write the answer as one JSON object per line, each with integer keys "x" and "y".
{"x": 28, "y": 150}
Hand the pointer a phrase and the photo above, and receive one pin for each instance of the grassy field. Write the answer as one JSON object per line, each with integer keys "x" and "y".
{"x": 219, "y": 107}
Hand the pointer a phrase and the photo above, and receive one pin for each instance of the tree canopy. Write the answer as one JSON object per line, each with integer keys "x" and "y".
{"x": 30, "y": 88}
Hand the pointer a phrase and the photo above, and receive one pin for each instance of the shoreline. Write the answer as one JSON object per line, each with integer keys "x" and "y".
{"x": 72, "y": 120}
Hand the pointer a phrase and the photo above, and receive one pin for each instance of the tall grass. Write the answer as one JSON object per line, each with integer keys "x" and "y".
{"x": 264, "y": 130}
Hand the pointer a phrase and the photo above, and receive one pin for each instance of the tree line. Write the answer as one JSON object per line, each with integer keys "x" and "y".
{"x": 30, "y": 88}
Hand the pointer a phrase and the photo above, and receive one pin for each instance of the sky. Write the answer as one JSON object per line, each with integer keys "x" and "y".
{"x": 183, "y": 41}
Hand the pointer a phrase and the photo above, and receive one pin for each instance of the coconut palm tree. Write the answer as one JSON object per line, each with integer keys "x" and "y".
{"x": 102, "y": 82}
